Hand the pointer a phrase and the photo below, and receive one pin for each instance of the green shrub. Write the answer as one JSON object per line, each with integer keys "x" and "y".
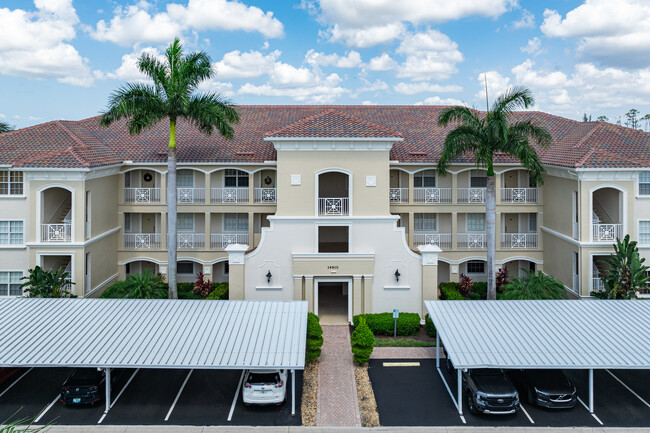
{"x": 314, "y": 338}
{"x": 189, "y": 295}
{"x": 383, "y": 323}
{"x": 534, "y": 286}
{"x": 362, "y": 342}
{"x": 184, "y": 287}
{"x": 117, "y": 290}
{"x": 220, "y": 291}
{"x": 479, "y": 290}
{"x": 429, "y": 327}
{"x": 449, "y": 291}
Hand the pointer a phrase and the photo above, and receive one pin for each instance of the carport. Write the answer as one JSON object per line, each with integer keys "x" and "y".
{"x": 153, "y": 334}
{"x": 542, "y": 334}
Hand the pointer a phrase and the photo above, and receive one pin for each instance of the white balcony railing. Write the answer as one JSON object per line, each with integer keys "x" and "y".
{"x": 141, "y": 241}
{"x": 333, "y": 206}
{"x": 442, "y": 240}
{"x": 219, "y": 241}
{"x": 264, "y": 195}
{"x": 190, "y": 195}
{"x": 61, "y": 232}
{"x": 398, "y": 195}
{"x": 519, "y": 195}
{"x": 471, "y": 195}
{"x": 519, "y": 240}
{"x": 142, "y": 195}
{"x": 229, "y": 195}
{"x": 432, "y": 195}
{"x": 606, "y": 232}
{"x": 472, "y": 241}
{"x": 597, "y": 284}
{"x": 191, "y": 241}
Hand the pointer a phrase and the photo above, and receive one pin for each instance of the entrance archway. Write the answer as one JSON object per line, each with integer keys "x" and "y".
{"x": 333, "y": 301}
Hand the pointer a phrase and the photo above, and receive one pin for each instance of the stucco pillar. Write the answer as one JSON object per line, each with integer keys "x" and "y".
{"x": 206, "y": 185}
{"x": 251, "y": 223}
{"x": 499, "y": 224}
{"x": 297, "y": 288}
{"x": 411, "y": 237}
{"x": 498, "y": 178}
{"x": 367, "y": 294}
{"x": 454, "y": 230}
{"x": 208, "y": 230}
{"x": 163, "y": 188}
{"x": 411, "y": 188}
{"x": 454, "y": 188}
{"x": 251, "y": 190}
{"x": 429, "y": 273}
{"x": 163, "y": 231}
{"x": 236, "y": 271}
{"x": 309, "y": 292}
{"x": 357, "y": 288}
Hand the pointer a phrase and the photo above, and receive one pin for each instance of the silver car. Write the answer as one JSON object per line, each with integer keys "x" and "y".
{"x": 265, "y": 387}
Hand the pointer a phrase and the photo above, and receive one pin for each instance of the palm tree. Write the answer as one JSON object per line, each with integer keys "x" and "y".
{"x": 5, "y": 127}
{"x": 534, "y": 286}
{"x": 626, "y": 274}
{"x": 173, "y": 95}
{"x": 485, "y": 135}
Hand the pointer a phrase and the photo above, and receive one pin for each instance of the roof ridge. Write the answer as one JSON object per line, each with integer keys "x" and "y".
{"x": 41, "y": 156}
{"x": 78, "y": 157}
{"x": 71, "y": 134}
{"x": 586, "y": 157}
{"x": 586, "y": 136}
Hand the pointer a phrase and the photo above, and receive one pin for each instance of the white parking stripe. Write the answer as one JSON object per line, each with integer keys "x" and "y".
{"x": 178, "y": 395}
{"x": 15, "y": 382}
{"x": 119, "y": 395}
{"x": 592, "y": 414}
{"x": 44, "y": 411}
{"x": 234, "y": 400}
{"x": 628, "y": 388}
{"x": 523, "y": 409}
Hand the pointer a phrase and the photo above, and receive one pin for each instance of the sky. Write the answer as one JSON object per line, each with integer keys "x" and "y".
{"x": 61, "y": 59}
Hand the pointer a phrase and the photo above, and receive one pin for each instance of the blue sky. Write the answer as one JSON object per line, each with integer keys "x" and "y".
{"x": 60, "y": 59}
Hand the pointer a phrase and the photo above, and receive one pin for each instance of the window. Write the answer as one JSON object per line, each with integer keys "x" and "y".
{"x": 425, "y": 179}
{"x": 11, "y": 232}
{"x": 475, "y": 267}
{"x": 235, "y": 179}
{"x": 644, "y": 232}
{"x": 425, "y": 222}
{"x": 235, "y": 222}
{"x": 185, "y": 179}
{"x": 644, "y": 183}
{"x": 127, "y": 223}
{"x": 478, "y": 179}
{"x": 10, "y": 284}
{"x": 127, "y": 179}
{"x": 475, "y": 222}
{"x": 185, "y": 268}
{"x": 532, "y": 223}
{"x": 333, "y": 239}
{"x": 11, "y": 182}
{"x": 185, "y": 222}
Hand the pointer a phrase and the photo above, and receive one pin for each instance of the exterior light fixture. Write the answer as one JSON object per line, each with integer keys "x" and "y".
{"x": 397, "y": 275}
{"x": 268, "y": 276}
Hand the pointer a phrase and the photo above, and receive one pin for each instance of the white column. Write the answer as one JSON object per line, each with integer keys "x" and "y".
{"x": 460, "y": 392}
{"x": 437, "y": 351}
{"x": 591, "y": 390}
{"x": 293, "y": 392}
{"x": 108, "y": 390}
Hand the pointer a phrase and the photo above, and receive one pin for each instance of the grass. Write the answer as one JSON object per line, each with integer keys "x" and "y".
{"x": 402, "y": 342}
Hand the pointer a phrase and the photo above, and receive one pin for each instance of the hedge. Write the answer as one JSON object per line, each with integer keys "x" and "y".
{"x": 429, "y": 327}
{"x": 383, "y": 323}
{"x": 450, "y": 292}
{"x": 220, "y": 291}
{"x": 314, "y": 338}
{"x": 362, "y": 342}
{"x": 184, "y": 287}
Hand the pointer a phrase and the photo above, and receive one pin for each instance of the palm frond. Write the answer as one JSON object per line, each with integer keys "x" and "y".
{"x": 134, "y": 101}
{"x": 512, "y": 99}
{"x": 197, "y": 67}
{"x": 153, "y": 68}
{"x": 461, "y": 140}
{"x": 458, "y": 114}
{"x": 210, "y": 111}
{"x": 538, "y": 134}
{"x": 5, "y": 127}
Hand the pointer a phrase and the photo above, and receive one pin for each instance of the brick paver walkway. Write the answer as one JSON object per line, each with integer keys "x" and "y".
{"x": 338, "y": 404}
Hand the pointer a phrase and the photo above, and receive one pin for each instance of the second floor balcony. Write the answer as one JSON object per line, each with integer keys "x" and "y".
{"x": 334, "y": 206}
{"x": 186, "y": 241}
{"x": 471, "y": 195}
{"x": 471, "y": 241}
{"x": 519, "y": 240}
{"x": 519, "y": 195}
{"x": 441, "y": 240}
{"x": 59, "y": 232}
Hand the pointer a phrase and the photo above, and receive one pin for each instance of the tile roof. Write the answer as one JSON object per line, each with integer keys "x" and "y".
{"x": 84, "y": 144}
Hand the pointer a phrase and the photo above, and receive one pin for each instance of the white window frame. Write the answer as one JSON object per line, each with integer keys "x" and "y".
{"x": 422, "y": 175}
{"x": 7, "y": 295}
{"x": 467, "y": 218}
{"x": 647, "y": 233}
{"x": 184, "y": 172}
{"x": 9, "y": 244}
{"x": 9, "y": 183}
{"x": 184, "y": 229}
{"x": 237, "y": 174}
{"x": 644, "y": 182}
{"x": 238, "y": 216}
{"x": 477, "y": 174}
{"x": 532, "y": 217}
{"x": 430, "y": 217}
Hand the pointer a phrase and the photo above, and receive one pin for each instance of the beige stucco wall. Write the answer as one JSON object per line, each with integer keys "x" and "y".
{"x": 103, "y": 204}
{"x": 558, "y": 210}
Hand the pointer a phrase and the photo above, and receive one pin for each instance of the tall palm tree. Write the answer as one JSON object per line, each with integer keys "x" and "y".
{"x": 485, "y": 135}
{"x": 173, "y": 95}
{"x": 5, "y": 127}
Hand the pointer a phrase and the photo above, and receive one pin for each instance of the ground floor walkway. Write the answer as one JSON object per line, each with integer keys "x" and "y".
{"x": 338, "y": 404}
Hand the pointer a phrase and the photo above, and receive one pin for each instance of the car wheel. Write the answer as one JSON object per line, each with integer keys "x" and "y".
{"x": 469, "y": 401}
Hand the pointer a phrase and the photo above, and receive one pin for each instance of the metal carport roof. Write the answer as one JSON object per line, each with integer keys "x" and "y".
{"x": 152, "y": 333}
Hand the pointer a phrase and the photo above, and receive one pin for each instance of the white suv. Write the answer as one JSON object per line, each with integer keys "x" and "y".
{"x": 265, "y": 387}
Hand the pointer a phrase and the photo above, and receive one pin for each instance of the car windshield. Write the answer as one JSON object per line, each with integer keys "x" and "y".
{"x": 84, "y": 376}
{"x": 261, "y": 378}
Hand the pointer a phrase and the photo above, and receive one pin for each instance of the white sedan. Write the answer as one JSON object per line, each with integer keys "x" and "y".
{"x": 265, "y": 387}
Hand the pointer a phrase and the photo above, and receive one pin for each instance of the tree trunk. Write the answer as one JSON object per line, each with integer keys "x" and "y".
{"x": 490, "y": 223}
{"x": 171, "y": 212}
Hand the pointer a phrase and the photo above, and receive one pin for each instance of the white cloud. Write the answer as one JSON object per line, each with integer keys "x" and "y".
{"x": 33, "y": 44}
{"x": 222, "y": 88}
{"x": 496, "y": 84}
{"x": 351, "y": 59}
{"x": 429, "y": 55}
{"x": 533, "y": 47}
{"x": 367, "y": 103}
{"x": 611, "y": 32}
{"x": 437, "y": 100}
{"x": 526, "y": 21}
{"x": 382, "y": 63}
{"x": 236, "y": 64}
{"x": 128, "y": 70}
{"x": 423, "y": 86}
{"x": 371, "y": 87}
{"x": 368, "y": 23}
{"x": 140, "y": 23}
{"x": 524, "y": 74}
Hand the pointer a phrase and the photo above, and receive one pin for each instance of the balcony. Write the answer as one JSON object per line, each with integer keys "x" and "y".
{"x": 56, "y": 233}
{"x": 219, "y": 241}
{"x": 519, "y": 195}
{"x": 597, "y": 284}
{"x": 606, "y": 232}
{"x": 190, "y": 241}
{"x": 264, "y": 195}
{"x": 471, "y": 195}
{"x": 432, "y": 195}
{"x": 398, "y": 195}
{"x": 142, "y": 195}
{"x": 472, "y": 241}
{"x": 141, "y": 241}
{"x": 229, "y": 195}
{"x": 519, "y": 240}
{"x": 333, "y": 206}
{"x": 442, "y": 240}
{"x": 190, "y": 195}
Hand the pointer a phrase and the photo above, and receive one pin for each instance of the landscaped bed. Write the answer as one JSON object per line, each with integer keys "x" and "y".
{"x": 367, "y": 404}
{"x": 309, "y": 405}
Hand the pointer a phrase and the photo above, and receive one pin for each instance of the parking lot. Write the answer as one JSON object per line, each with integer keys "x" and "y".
{"x": 146, "y": 397}
{"x": 416, "y": 396}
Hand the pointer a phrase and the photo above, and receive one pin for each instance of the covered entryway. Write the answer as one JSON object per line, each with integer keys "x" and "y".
{"x": 333, "y": 304}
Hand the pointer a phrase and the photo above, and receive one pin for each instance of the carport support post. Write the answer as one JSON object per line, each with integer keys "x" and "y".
{"x": 437, "y": 351}
{"x": 460, "y": 391}
{"x": 591, "y": 390}
{"x": 293, "y": 392}
{"x": 108, "y": 389}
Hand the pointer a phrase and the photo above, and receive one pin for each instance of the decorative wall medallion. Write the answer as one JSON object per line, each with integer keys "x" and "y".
{"x": 296, "y": 179}
{"x": 371, "y": 180}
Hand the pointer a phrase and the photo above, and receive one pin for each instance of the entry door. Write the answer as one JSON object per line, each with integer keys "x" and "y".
{"x": 347, "y": 290}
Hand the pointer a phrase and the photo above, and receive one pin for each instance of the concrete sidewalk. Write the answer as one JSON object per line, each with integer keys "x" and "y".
{"x": 241, "y": 429}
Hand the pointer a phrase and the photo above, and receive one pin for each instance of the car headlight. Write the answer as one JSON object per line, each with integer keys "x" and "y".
{"x": 481, "y": 397}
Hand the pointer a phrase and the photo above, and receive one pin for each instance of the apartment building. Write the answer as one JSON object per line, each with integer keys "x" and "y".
{"x": 338, "y": 205}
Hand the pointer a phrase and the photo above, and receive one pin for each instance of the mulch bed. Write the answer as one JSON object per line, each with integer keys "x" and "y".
{"x": 367, "y": 403}
{"x": 309, "y": 394}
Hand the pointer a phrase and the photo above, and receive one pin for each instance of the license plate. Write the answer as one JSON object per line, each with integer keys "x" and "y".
{"x": 76, "y": 400}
